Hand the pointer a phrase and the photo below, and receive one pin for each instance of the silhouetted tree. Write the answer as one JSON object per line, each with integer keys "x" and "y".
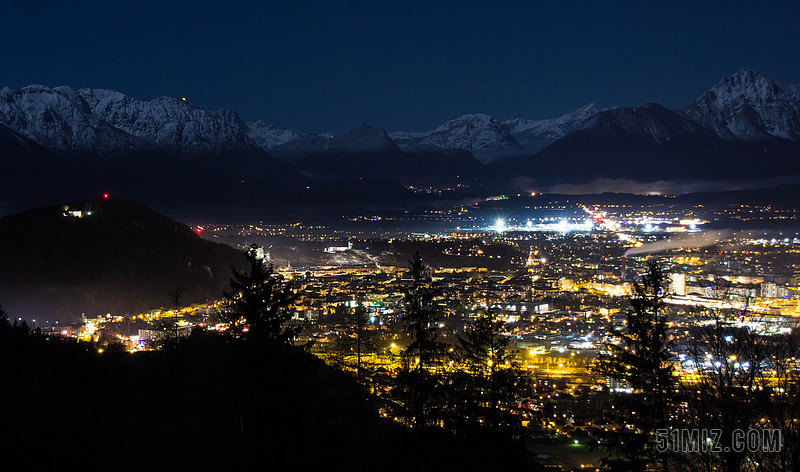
{"x": 740, "y": 379}
{"x": 725, "y": 360}
{"x": 423, "y": 358}
{"x": 175, "y": 297}
{"x": 485, "y": 380}
{"x": 778, "y": 402}
{"x": 642, "y": 361}
{"x": 17, "y": 337}
{"x": 168, "y": 328}
{"x": 355, "y": 344}
{"x": 261, "y": 302}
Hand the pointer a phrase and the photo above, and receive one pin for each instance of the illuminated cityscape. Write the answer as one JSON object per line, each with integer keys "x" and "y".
{"x": 400, "y": 236}
{"x": 560, "y": 286}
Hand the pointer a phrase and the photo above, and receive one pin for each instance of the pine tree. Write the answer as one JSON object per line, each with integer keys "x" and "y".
{"x": 261, "y": 303}
{"x": 642, "y": 360}
{"x": 486, "y": 378}
{"x": 423, "y": 358}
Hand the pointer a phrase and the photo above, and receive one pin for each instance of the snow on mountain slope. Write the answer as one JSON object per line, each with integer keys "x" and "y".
{"x": 479, "y": 133}
{"x": 264, "y": 135}
{"x": 748, "y": 106}
{"x": 268, "y": 136}
{"x": 487, "y": 139}
{"x": 107, "y": 122}
{"x": 745, "y": 116}
{"x": 169, "y": 123}
{"x": 59, "y": 119}
{"x": 535, "y": 135}
{"x": 638, "y": 143}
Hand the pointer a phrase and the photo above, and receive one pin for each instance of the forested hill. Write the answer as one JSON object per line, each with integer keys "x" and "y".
{"x": 105, "y": 256}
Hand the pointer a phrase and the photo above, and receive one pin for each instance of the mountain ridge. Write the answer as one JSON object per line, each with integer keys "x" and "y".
{"x": 748, "y": 106}
{"x": 103, "y": 134}
{"x": 478, "y": 133}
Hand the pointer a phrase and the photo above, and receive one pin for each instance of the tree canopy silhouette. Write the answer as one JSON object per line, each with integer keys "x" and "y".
{"x": 642, "y": 360}
{"x": 261, "y": 303}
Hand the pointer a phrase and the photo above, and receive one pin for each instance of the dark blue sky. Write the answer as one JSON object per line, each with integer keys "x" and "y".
{"x": 329, "y": 66}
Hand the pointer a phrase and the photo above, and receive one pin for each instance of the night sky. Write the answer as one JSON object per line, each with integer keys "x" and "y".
{"x": 328, "y": 66}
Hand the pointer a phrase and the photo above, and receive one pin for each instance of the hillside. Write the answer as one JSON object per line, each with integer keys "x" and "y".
{"x": 104, "y": 256}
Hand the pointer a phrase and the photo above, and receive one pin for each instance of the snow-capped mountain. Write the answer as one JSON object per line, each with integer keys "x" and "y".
{"x": 748, "y": 106}
{"x": 535, "y": 135}
{"x": 480, "y": 134}
{"x": 109, "y": 122}
{"x": 60, "y": 119}
{"x": 94, "y": 135}
{"x": 264, "y": 135}
{"x": 59, "y": 143}
{"x": 169, "y": 123}
{"x": 487, "y": 139}
{"x": 646, "y": 143}
{"x": 268, "y": 136}
{"x": 369, "y": 153}
{"x": 622, "y": 143}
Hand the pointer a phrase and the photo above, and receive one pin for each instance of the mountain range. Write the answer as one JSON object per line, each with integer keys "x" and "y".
{"x": 745, "y": 126}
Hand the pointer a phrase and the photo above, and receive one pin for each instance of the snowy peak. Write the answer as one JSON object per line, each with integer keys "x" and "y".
{"x": 651, "y": 124}
{"x": 109, "y": 122}
{"x": 57, "y": 118}
{"x": 748, "y": 106}
{"x": 476, "y": 121}
{"x": 520, "y": 125}
{"x": 169, "y": 123}
{"x": 268, "y": 137}
{"x": 536, "y": 135}
{"x": 478, "y": 133}
{"x": 487, "y": 139}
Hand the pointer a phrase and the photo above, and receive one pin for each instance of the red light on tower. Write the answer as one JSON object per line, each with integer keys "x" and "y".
{"x": 105, "y": 195}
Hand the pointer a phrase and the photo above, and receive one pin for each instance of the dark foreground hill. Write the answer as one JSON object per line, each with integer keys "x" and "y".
{"x": 208, "y": 402}
{"x": 105, "y": 256}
